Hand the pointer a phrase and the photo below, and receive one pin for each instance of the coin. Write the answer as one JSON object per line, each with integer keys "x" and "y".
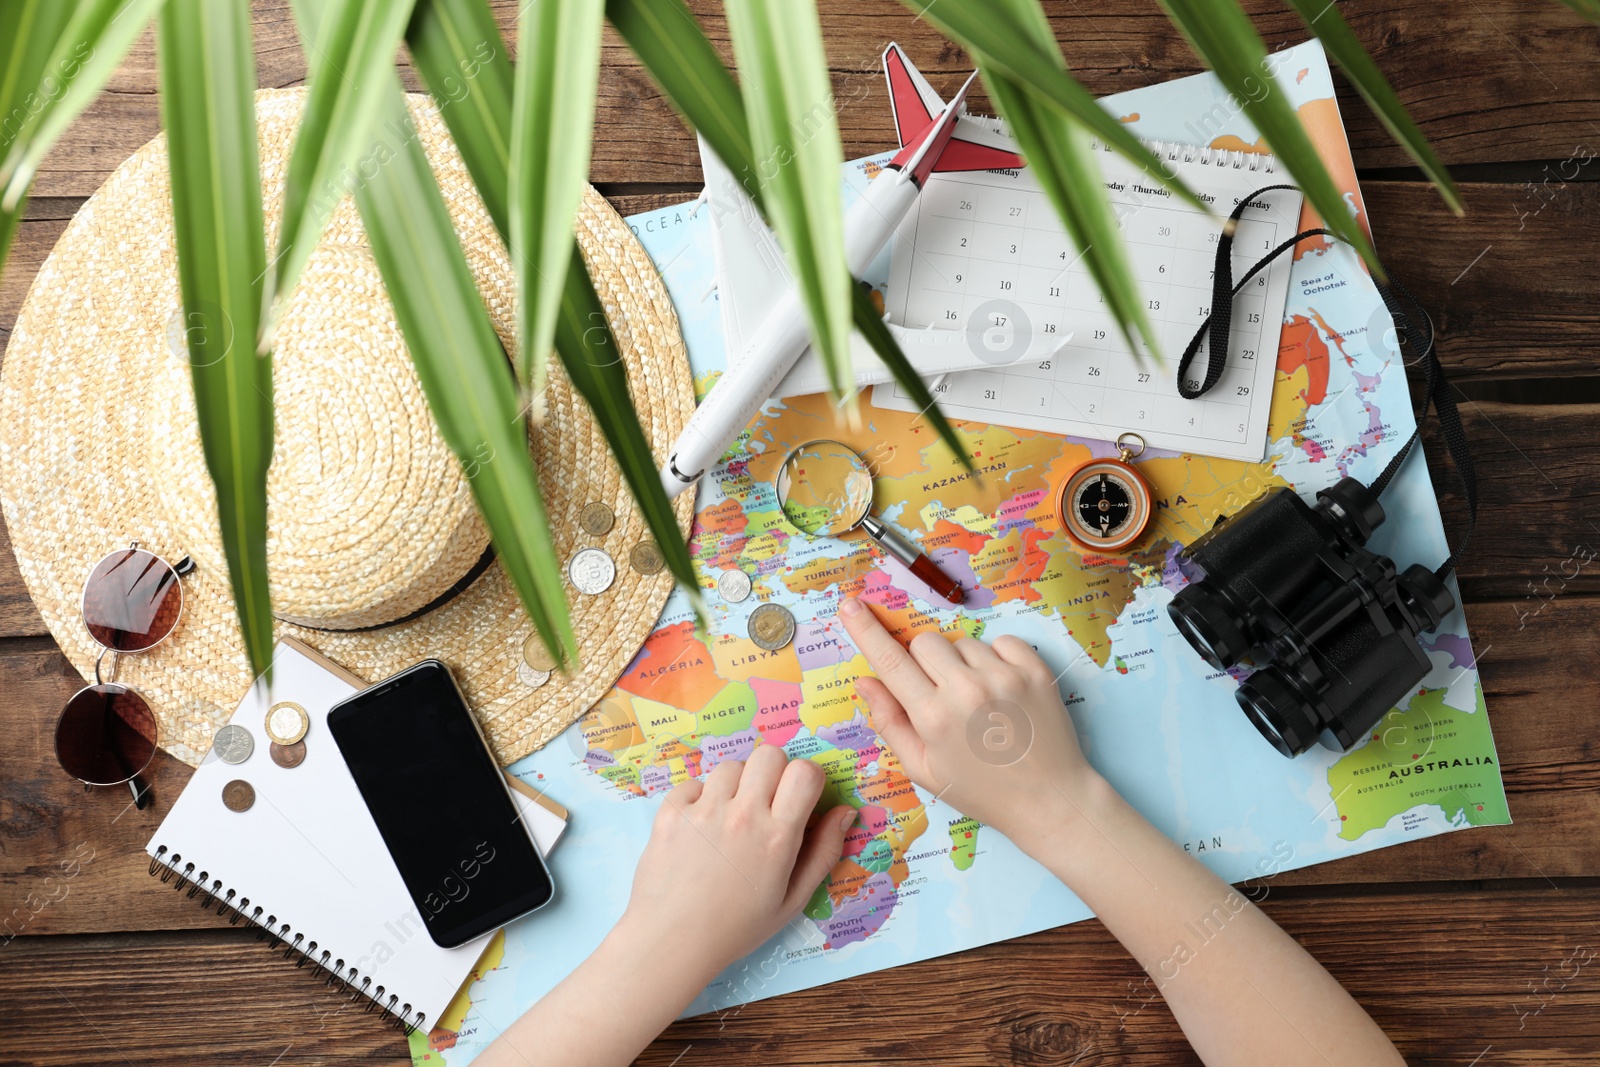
{"x": 592, "y": 571}
{"x": 733, "y": 586}
{"x": 532, "y": 677}
{"x": 596, "y": 519}
{"x": 646, "y": 558}
{"x": 287, "y": 722}
{"x": 535, "y": 656}
{"x": 771, "y": 627}
{"x": 233, "y": 744}
{"x": 238, "y": 795}
{"x": 288, "y": 755}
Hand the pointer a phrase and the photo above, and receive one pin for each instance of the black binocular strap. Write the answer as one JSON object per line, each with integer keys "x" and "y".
{"x": 1410, "y": 321}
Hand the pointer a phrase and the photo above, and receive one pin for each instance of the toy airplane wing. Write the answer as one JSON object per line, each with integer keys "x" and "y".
{"x": 976, "y": 144}
{"x": 751, "y": 274}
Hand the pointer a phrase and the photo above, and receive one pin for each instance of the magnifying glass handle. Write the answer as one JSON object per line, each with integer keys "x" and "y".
{"x": 915, "y": 560}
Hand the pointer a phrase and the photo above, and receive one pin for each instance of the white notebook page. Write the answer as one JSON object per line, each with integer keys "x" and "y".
{"x": 308, "y": 854}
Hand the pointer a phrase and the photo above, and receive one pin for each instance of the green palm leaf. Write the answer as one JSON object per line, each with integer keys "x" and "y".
{"x": 464, "y": 372}
{"x": 594, "y": 364}
{"x": 1016, "y": 39}
{"x": 465, "y": 375}
{"x": 86, "y": 52}
{"x": 478, "y": 112}
{"x": 456, "y": 47}
{"x": 1589, "y": 9}
{"x": 1222, "y": 35}
{"x": 9, "y": 221}
{"x": 552, "y": 132}
{"x": 872, "y": 327}
{"x": 673, "y": 47}
{"x": 1323, "y": 19}
{"x": 1047, "y": 112}
{"x": 29, "y": 32}
{"x": 353, "y": 61}
{"x": 208, "y": 109}
{"x": 1058, "y": 153}
{"x": 795, "y": 132}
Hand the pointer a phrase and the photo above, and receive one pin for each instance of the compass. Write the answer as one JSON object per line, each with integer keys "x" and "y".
{"x": 1104, "y": 505}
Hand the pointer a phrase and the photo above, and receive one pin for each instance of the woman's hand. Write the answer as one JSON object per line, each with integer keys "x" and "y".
{"x": 980, "y": 725}
{"x": 730, "y": 859}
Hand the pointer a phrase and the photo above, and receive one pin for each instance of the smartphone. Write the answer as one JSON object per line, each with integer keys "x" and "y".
{"x": 441, "y": 803}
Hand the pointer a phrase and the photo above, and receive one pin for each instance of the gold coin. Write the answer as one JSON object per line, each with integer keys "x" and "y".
{"x": 289, "y": 756}
{"x": 535, "y": 655}
{"x": 596, "y": 519}
{"x": 646, "y": 558}
{"x": 287, "y": 722}
{"x": 771, "y": 627}
{"x": 239, "y": 795}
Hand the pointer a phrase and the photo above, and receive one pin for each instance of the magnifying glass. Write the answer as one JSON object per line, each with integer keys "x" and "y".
{"x": 825, "y": 490}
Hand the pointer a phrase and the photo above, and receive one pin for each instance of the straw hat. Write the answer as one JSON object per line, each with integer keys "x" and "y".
{"x": 370, "y": 516}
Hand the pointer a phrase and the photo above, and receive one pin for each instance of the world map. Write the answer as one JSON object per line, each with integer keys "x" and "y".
{"x": 919, "y": 879}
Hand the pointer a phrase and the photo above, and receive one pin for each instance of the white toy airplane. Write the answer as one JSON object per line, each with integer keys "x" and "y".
{"x": 763, "y": 318}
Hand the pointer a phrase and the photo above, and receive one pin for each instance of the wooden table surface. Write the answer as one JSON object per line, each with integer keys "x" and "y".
{"x": 1459, "y": 945}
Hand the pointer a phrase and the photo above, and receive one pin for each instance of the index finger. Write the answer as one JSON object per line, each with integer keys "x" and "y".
{"x": 888, "y": 658}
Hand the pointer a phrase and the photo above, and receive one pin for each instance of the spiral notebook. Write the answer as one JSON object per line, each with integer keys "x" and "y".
{"x": 305, "y": 863}
{"x": 986, "y": 252}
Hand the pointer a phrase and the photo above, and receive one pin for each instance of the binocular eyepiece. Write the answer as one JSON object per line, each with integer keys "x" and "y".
{"x": 1329, "y": 624}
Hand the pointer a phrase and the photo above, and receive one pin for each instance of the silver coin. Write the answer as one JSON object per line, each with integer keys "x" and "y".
{"x": 532, "y": 677}
{"x": 592, "y": 571}
{"x": 771, "y": 627}
{"x": 733, "y": 586}
{"x": 233, "y": 744}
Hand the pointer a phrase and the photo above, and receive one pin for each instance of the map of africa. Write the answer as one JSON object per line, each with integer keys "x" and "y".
{"x": 918, "y": 878}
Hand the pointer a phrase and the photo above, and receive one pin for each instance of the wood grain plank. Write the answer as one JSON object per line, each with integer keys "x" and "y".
{"x": 1547, "y": 742}
{"x": 220, "y": 997}
{"x": 1538, "y": 530}
{"x": 1446, "y": 973}
{"x": 1490, "y": 81}
{"x": 1511, "y": 286}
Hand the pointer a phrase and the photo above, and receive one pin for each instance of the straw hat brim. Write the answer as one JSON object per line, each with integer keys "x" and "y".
{"x": 76, "y": 480}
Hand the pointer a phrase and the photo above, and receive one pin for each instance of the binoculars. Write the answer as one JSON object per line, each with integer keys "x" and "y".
{"x": 1329, "y": 625}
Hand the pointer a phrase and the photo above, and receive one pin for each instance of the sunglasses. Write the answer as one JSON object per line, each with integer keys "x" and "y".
{"x": 106, "y": 734}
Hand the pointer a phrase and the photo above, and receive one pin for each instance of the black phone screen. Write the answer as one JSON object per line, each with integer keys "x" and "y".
{"x": 441, "y": 803}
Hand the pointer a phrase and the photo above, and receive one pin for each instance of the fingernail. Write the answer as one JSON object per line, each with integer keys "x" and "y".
{"x": 850, "y": 608}
{"x": 847, "y": 820}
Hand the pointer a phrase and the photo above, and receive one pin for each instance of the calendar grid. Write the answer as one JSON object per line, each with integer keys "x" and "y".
{"x": 984, "y": 252}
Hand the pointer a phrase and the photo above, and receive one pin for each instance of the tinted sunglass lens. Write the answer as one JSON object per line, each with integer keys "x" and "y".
{"x": 106, "y": 734}
{"x": 132, "y": 600}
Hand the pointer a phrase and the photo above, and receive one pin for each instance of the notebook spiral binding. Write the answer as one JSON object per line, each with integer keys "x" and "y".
{"x": 1230, "y": 158}
{"x": 1171, "y": 151}
{"x": 348, "y": 979}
